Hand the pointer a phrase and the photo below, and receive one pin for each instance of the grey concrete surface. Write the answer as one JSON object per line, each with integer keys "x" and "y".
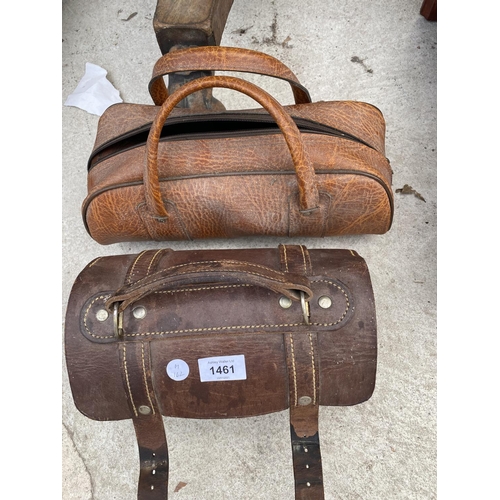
{"x": 381, "y": 52}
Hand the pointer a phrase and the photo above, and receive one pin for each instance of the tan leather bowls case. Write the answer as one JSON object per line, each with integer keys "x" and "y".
{"x": 309, "y": 169}
{"x": 145, "y": 338}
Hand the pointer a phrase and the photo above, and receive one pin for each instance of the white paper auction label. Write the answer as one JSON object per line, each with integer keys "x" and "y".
{"x": 177, "y": 369}
{"x": 221, "y": 368}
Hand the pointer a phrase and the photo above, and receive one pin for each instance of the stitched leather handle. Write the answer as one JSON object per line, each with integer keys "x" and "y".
{"x": 308, "y": 192}
{"x": 221, "y": 271}
{"x": 216, "y": 58}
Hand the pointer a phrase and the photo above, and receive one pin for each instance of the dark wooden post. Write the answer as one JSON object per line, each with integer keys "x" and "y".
{"x": 191, "y": 23}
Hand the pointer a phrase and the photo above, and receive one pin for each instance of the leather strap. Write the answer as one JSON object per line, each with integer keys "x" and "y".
{"x": 144, "y": 264}
{"x": 303, "y": 371}
{"x": 147, "y": 419}
{"x": 146, "y": 416}
{"x": 302, "y": 362}
{"x": 304, "y": 170}
{"x": 217, "y": 58}
{"x": 216, "y": 271}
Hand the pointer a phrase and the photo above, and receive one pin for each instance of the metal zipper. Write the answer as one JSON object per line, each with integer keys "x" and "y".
{"x": 137, "y": 137}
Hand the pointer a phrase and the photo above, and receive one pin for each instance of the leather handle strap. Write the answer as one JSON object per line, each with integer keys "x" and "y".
{"x": 308, "y": 191}
{"x": 217, "y": 58}
{"x": 220, "y": 271}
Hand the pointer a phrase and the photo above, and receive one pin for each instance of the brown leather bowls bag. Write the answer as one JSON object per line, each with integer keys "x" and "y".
{"x": 145, "y": 338}
{"x": 165, "y": 173}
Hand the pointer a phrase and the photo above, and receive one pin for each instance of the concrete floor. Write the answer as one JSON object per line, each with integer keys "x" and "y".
{"x": 381, "y": 52}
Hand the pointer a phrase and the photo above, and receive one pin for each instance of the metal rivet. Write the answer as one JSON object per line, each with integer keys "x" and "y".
{"x": 325, "y": 302}
{"x": 144, "y": 410}
{"x": 102, "y": 315}
{"x": 285, "y": 302}
{"x": 306, "y": 450}
{"x": 307, "y": 466}
{"x": 139, "y": 312}
{"x": 305, "y": 400}
{"x": 308, "y": 484}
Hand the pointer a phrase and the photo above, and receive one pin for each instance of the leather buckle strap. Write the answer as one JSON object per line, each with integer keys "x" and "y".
{"x": 303, "y": 372}
{"x": 307, "y": 468}
{"x": 147, "y": 419}
{"x": 136, "y": 375}
{"x": 301, "y": 349}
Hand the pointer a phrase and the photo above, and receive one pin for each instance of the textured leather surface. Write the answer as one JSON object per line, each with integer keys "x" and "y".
{"x": 307, "y": 188}
{"x": 186, "y": 321}
{"x": 217, "y": 58}
{"x": 280, "y": 182}
{"x": 296, "y": 357}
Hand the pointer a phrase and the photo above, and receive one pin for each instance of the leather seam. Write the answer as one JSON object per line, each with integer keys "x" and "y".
{"x": 136, "y": 260}
{"x": 152, "y": 260}
{"x": 145, "y": 378}
{"x": 285, "y": 257}
{"x": 310, "y": 334}
{"x": 101, "y": 297}
{"x": 307, "y": 258}
{"x": 293, "y": 369}
{"x": 127, "y": 379}
{"x": 304, "y": 259}
{"x": 313, "y": 368}
{"x": 291, "y": 344}
{"x": 217, "y": 287}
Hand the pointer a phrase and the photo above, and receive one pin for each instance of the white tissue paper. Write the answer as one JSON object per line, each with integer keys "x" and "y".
{"x": 95, "y": 92}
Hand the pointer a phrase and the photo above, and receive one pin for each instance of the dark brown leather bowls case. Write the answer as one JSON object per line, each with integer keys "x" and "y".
{"x": 159, "y": 172}
{"x": 221, "y": 334}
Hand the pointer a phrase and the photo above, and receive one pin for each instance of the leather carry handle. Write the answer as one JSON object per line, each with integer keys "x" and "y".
{"x": 308, "y": 192}
{"x": 216, "y": 58}
{"x": 221, "y": 271}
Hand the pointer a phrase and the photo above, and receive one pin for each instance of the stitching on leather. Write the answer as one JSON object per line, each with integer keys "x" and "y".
{"x": 101, "y": 297}
{"x": 217, "y": 329}
{"x": 205, "y": 270}
{"x": 212, "y": 329}
{"x": 313, "y": 368}
{"x": 217, "y": 287}
{"x": 95, "y": 261}
{"x": 304, "y": 259}
{"x": 286, "y": 260}
{"x": 348, "y": 305}
{"x": 293, "y": 370}
{"x": 310, "y": 336}
{"x": 127, "y": 379}
{"x": 131, "y": 272}
{"x": 145, "y": 378}
{"x": 352, "y": 253}
{"x": 151, "y": 262}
